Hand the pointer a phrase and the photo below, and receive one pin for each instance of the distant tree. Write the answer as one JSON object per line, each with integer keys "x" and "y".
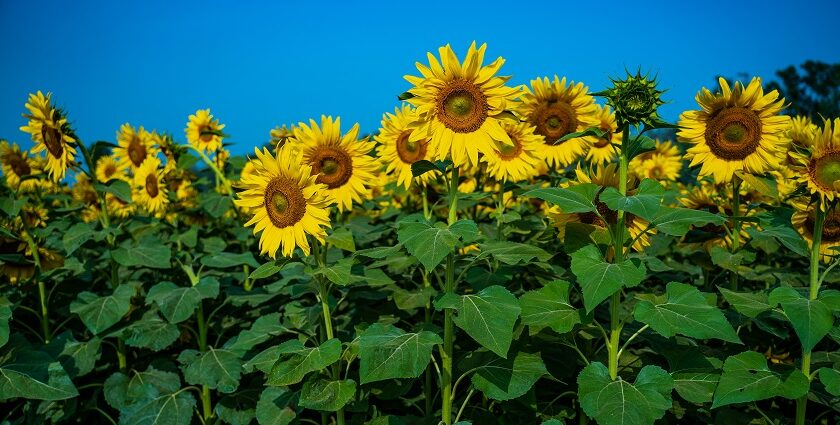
{"x": 815, "y": 92}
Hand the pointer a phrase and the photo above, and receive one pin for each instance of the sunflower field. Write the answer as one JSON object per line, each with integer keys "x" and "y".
{"x": 493, "y": 254}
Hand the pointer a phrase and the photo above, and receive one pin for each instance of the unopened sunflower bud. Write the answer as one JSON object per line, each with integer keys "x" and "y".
{"x": 635, "y": 100}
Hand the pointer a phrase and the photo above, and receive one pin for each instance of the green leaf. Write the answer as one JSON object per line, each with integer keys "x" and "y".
{"x": 121, "y": 391}
{"x": 79, "y": 357}
{"x": 76, "y": 236}
{"x": 725, "y": 259}
{"x": 685, "y": 312}
{"x": 215, "y": 204}
{"x": 273, "y": 408}
{"x": 32, "y": 374}
{"x": 151, "y": 332}
{"x": 549, "y": 306}
{"x": 326, "y": 395}
{"x": 599, "y": 279}
{"x": 224, "y": 260}
{"x": 418, "y": 168}
{"x": 620, "y": 402}
{"x": 512, "y": 252}
{"x": 100, "y": 313}
{"x": 811, "y": 319}
{"x": 387, "y": 352}
{"x": 342, "y": 239}
{"x": 11, "y": 206}
{"x": 645, "y": 203}
{"x": 379, "y": 253}
{"x": 506, "y": 379}
{"x": 118, "y": 188}
{"x": 696, "y": 387}
{"x": 405, "y": 96}
{"x": 177, "y": 303}
{"x": 262, "y": 329}
{"x": 591, "y": 131}
{"x": 762, "y": 184}
{"x": 296, "y": 361}
{"x": 777, "y": 224}
{"x": 467, "y": 230}
{"x": 830, "y": 378}
{"x": 429, "y": 244}
{"x": 678, "y": 221}
{"x": 750, "y": 304}
{"x": 217, "y": 368}
{"x": 574, "y": 199}
{"x": 229, "y": 411}
{"x": 488, "y": 316}
{"x": 339, "y": 273}
{"x": 746, "y": 377}
{"x": 5, "y": 317}
{"x": 164, "y": 409}
{"x": 266, "y": 270}
{"x": 639, "y": 145}
{"x": 148, "y": 255}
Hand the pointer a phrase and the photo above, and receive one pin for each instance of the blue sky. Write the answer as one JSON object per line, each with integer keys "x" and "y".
{"x": 261, "y": 64}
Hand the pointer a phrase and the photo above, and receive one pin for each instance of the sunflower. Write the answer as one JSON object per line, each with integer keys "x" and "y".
{"x": 803, "y": 219}
{"x": 519, "y": 161}
{"x": 278, "y": 136}
{"x": 17, "y": 167}
{"x": 107, "y": 169}
{"x": 18, "y": 271}
{"x": 662, "y": 163}
{"x": 716, "y": 199}
{"x": 397, "y": 151}
{"x": 736, "y": 130}
{"x": 50, "y": 131}
{"x": 801, "y": 131}
{"x": 117, "y": 207}
{"x": 818, "y": 165}
{"x": 601, "y": 150}
{"x": 203, "y": 132}
{"x": 287, "y": 201}
{"x": 459, "y": 105}
{"x": 556, "y": 109}
{"x": 150, "y": 190}
{"x": 84, "y": 194}
{"x": 341, "y": 162}
{"x": 135, "y": 146}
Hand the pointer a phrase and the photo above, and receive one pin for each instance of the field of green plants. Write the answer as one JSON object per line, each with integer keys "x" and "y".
{"x": 493, "y": 254}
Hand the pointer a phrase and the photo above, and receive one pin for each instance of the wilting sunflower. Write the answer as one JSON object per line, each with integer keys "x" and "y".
{"x": 662, "y": 163}
{"x": 135, "y": 146}
{"x": 601, "y": 149}
{"x": 50, "y": 131}
{"x": 17, "y": 165}
{"x": 397, "y": 151}
{"x": 203, "y": 132}
{"x": 556, "y": 109}
{"x": 459, "y": 104}
{"x": 736, "y": 129}
{"x": 287, "y": 202}
{"x": 818, "y": 165}
{"x": 520, "y": 160}
{"x": 341, "y": 162}
{"x": 803, "y": 219}
{"x": 150, "y": 190}
{"x": 107, "y": 168}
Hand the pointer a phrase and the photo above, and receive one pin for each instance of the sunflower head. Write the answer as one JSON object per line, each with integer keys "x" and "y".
{"x": 52, "y": 133}
{"x": 635, "y": 99}
{"x": 15, "y": 163}
{"x": 801, "y": 131}
{"x": 818, "y": 164}
{"x": 107, "y": 168}
{"x": 134, "y": 147}
{"x": 662, "y": 163}
{"x": 203, "y": 132}
{"x": 518, "y": 161}
{"x": 398, "y": 151}
{"x": 601, "y": 149}
{"x": 150, "y": 190}
{"x": 803, "y": 220}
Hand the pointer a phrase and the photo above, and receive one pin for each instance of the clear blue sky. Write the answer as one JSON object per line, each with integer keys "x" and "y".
{"x": 260, "y": 64}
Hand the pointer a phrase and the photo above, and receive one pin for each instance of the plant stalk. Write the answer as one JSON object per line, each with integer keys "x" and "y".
{"x": 736, "y": 226}
{"x": 448, "y": 325}
{"x": 206, "y": 402}
{"x": 618, "y": 257}
{"x": 45, "y": 314}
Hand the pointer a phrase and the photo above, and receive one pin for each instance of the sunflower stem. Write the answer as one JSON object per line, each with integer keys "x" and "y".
{"x": 320, "y": 252}
{"x": 448, "y": 325}
{"x": 814, "y": 288}
{"x": 500, "y": 209}
{"x": 206, "y": 402}
{"x": 618, "y": 257}
{"x": 427, "y": 387}
{"x": 212, "y": 164}
{"x": 736, "y": 226}
{"x": 426, "y": 213}
{"x": 45, "y": 314}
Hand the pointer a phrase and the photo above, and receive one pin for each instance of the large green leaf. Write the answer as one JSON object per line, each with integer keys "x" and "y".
{"x": 488, "y": 316}
{"x": 296, "y": 360}
{"x": 575, "y": 199}
{"x": 32, "y": 374}
{"x": 79, "y": 357}
{"x": 5, "y": 317}
{"x": 177, "y": 303}
{"x": 750, "y": 304}
{"x": 678, "y": 221}
{"x": 830, "y": 378}
{"x": 430, "y": 244}
{"x": 325, "y": 395}
{"x": 151, "y": 332}
{"x": 163, "y": 409}
{"x": 550, "y": 307}
{"x": 217, "y": 368}
{"x": 685, "y": 312}
{"x": 696, "y": 387}
{"x": 262, "y": 329}
{"x": 620, "y": 402}
{"x": 811, "y": 319}
{"x": 121, "y": 391}
{"x": 155, "y": 255}
{"x": 387, "y": 352}
{"x": 645, "y": 203}
{"x": 215, "y": 204}
{"x": 599, "y": 279}
{"x": 223, "y": 260}
{"x": 100, "y": 313}
{"x": 76, "y": 235}
{"x": 746, "y": 377}
{"x": 273, "y": 408}
{"x": 343, "y": 239}
{"x": 505, "y": 379}
{"x": 338, "y": 273}
{"x": 777, "y": 224}
{"x": 512, "y": 252}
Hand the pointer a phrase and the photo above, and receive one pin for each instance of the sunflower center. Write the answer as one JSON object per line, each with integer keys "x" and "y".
{"x": 554, "y": 120}
{"x": 205, "y": 134}
{"x": 152, "y": 185}
{"x": 284, "y": 202}
{"x": 410, "y": 151}
{"x": 461, "y": 106}
{"x": 52, "y": 139}
{"x": 508, "y": 152}
{"x": 110, "y": 169}
{"x": 831, "y": 226}
{"x": 333, "y": 166}
{"x": 20, "y": 165}
{"x": 733, "y": 133}
{"x": 825, "y": 170}
{"x": 136, "y": 151}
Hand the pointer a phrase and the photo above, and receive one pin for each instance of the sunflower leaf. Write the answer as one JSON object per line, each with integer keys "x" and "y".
{"x": 746, "y": 377}
{"x": 600, "y": 279}
{"x": 574, "y": 199}
{"x": 616, "y": 401}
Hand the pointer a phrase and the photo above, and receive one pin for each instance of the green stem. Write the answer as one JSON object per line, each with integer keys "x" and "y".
{"x": 427, "y": 388}
{"x": 426, "y": 211}
{"x": 618, "y": 257}
{"x": 206, "y": 402}
{"x": 324, "y": 295}
{"x": 736, "y": 226}
{"x": 500, "y": 209}
{"x": 814, "y": 284}
{"x": 45, "y": 314}
{"x": 448, "y": 325}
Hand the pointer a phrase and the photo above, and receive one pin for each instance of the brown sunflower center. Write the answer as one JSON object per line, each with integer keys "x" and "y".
{"x": 554, "y": 120}
{"x": 825, "y": 170}
{"x": 136, "y": 151}
{"x": 733, "y": 133}
{"x": 110, "y": 170}
{"x": 19, "y": 165}
{"x": 205, "y": 133}
{"x": 53, "y": 140}
{"x": 410, "y": 151}
{"x": 461, "y": 106}
{"x": 333, "y": 166}
{"x": 152, "y": 185}
{"x": 508, "y": 152}
{"x": 284, "y": 202}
